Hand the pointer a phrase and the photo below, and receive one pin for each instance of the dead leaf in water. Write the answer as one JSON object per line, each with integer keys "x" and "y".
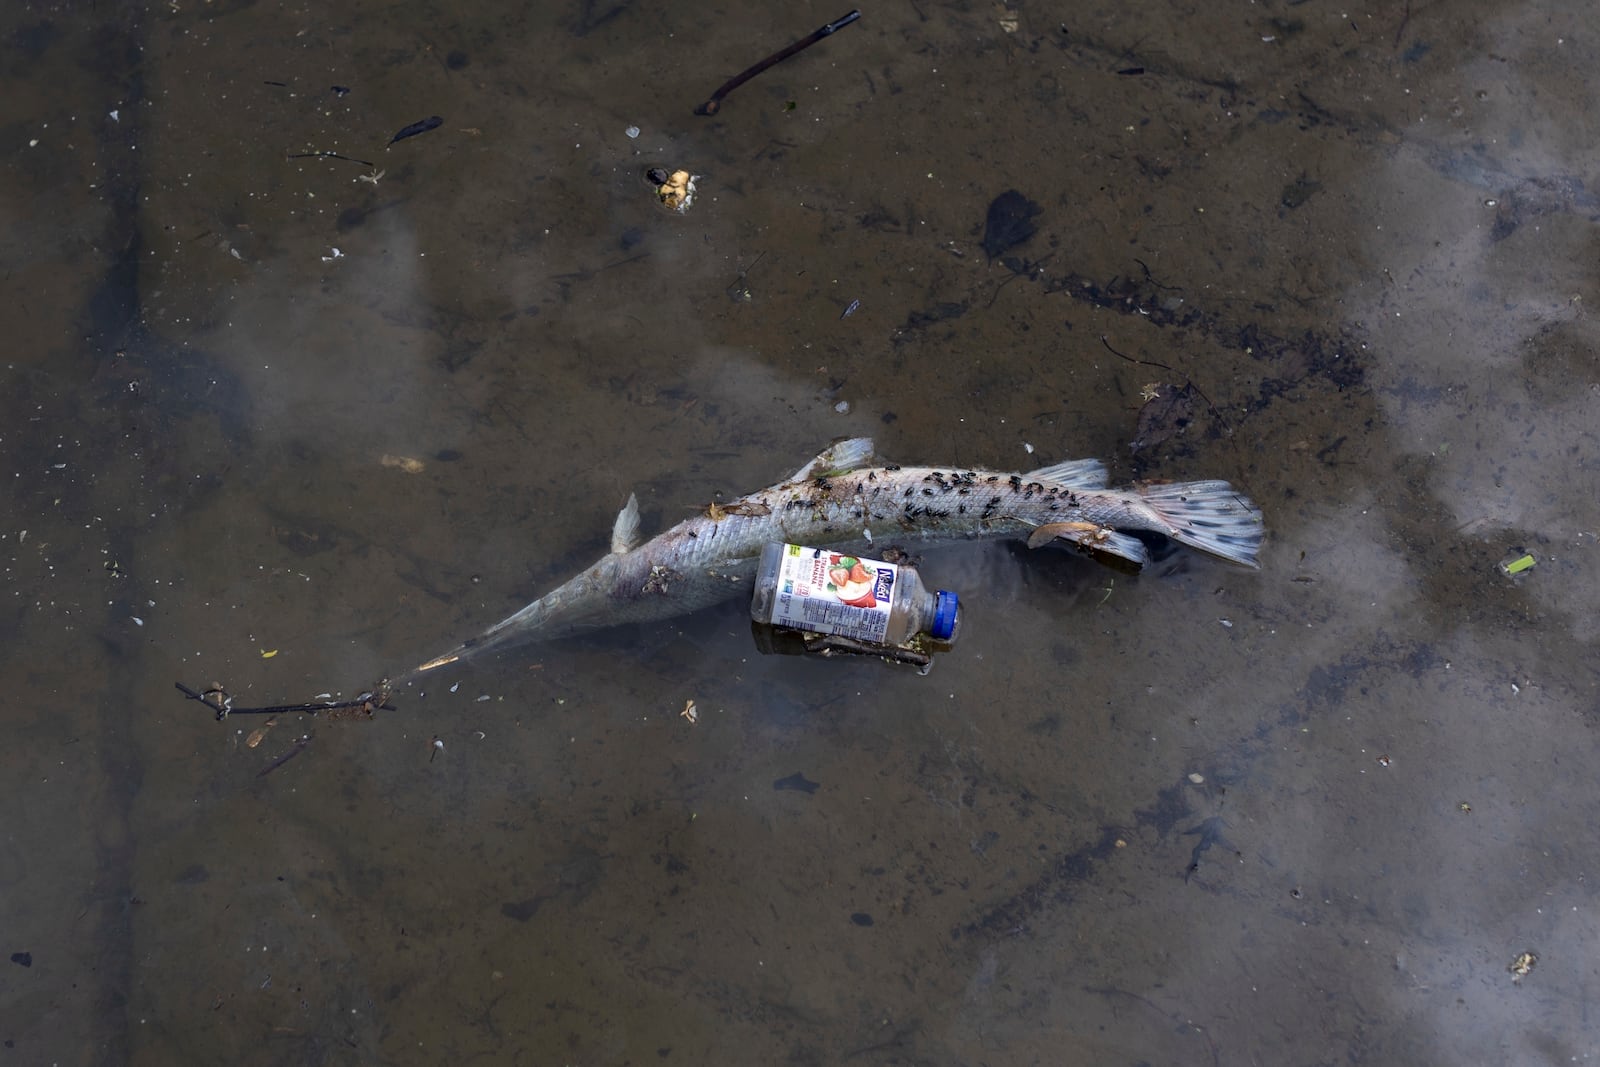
{"x": 1168, "y": 410}
{"x": 260, "y": 733}
{"x": 405, "y": 463}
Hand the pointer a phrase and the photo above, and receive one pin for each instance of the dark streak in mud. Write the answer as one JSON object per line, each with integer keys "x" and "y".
{"x": 1057, "y": 885}
{"x": 1325, "y": 687}
{"x": 114, "y": 313}
{"x": 1209, "y": 833}
{"x": 1290, "y": 361}
{"x": 921, "y": 320}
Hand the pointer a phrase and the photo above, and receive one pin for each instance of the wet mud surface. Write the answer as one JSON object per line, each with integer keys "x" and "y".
{"x": 291, "y": 403}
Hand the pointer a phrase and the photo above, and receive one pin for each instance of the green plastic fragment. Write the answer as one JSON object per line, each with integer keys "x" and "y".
{"x": 1517, "y": 566}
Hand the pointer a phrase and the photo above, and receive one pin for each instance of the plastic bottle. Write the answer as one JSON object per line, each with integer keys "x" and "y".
{"x": 865, "y": 600}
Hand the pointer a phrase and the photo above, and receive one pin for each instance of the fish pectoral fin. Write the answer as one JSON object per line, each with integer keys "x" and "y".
{"x": 837, "y": 458}
{"x": 1071, "y": 531}
{"x": 625, "y": 533}
{"x": 1091, "y": 535}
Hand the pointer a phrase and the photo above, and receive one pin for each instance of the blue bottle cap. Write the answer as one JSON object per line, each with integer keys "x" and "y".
{"x": 944, "y": 616}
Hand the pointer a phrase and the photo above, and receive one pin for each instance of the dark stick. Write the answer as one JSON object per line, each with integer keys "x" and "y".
{"x": 834, "y": 644}
{"x": 329, "y": 155}
{"x": 299, "y": 747}
{"x": 713, "y": 105}
{"x": 218, "y": 700}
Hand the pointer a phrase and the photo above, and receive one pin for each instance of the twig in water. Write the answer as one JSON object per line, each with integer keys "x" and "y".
{"x": 218, "y": 699}
{"x": 713, "y": 105}
{"x": 299, "y": 747}
{"x": 328, "y": 155}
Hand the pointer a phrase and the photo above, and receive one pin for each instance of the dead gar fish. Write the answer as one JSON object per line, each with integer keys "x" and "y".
{"x": 845, "y": 501}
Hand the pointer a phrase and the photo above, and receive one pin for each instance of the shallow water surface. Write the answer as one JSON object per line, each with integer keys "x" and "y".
{"x": 289, "y": 407}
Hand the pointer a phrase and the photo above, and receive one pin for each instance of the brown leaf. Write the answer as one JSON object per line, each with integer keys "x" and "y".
{"x": 1168, "y": 411}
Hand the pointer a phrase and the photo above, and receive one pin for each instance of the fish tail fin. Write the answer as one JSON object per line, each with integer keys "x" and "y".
{"x": 1211, "y": 516}
{"x": 507, "y": 632}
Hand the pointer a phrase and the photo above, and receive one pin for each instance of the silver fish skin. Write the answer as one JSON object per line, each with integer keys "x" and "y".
{"x": 845, "y": 501}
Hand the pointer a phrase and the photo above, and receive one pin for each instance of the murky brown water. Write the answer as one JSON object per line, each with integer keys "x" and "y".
{"x": 1309, "y": 815}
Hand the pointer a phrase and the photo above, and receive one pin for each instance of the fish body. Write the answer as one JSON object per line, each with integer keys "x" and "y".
{"x": 845, "y": 501}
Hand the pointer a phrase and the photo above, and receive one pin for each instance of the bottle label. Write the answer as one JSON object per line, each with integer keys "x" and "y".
{"x": 830, "y": 592}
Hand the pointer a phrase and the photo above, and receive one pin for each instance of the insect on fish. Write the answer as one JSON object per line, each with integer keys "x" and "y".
{"x": 843, "y": 500}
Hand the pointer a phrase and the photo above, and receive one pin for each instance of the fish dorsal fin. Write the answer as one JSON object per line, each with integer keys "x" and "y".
{"x": 1074, "y": 474}
{"x": 837, "y": 458}
{"x": 625, "y": 534}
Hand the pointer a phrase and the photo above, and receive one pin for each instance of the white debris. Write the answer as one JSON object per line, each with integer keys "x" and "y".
{"x": 842, "y": 407}
{"x": 632, "y": 132}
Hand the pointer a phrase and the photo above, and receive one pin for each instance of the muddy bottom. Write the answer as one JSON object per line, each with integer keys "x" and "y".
{"x": 292, "y": 402}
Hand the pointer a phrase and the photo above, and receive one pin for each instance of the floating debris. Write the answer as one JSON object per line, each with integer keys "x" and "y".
{"x": 675, "y": 190}
{"x": 1517, "y": 562}
{"x": 404, "y": 463}
{"x": 259, "y": 733}
{"x": 432, "y": 122}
